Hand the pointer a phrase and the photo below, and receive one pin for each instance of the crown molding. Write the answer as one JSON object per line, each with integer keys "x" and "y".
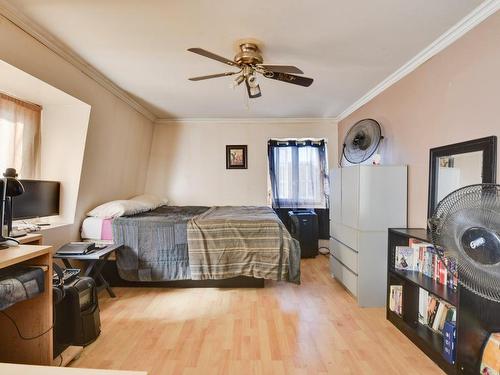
{"x": 14, "y": 15}
{"x": 249, "y": 121}
{"x": 474, "y": 18}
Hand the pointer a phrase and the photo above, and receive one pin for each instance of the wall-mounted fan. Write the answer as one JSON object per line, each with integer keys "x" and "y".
{"x": 466, "y": 227}
{"x": 362, "y": 141}
{"x": 249, "y": 61}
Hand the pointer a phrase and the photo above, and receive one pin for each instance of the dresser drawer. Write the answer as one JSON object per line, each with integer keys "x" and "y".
{"x": 344, "y": 275}
{"x": 344, "y": 234}
{"x": 345, "y": 254}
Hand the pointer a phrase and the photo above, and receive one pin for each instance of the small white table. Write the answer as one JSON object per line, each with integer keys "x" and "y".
{"x": 96, "y": 261}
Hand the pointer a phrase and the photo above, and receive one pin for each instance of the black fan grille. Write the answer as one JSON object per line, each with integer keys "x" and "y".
{"x": 466, "y": 227}
{"x": 362, "y": 141}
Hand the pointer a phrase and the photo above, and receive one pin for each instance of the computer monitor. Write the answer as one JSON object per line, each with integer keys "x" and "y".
{"x": 40, "y": 198}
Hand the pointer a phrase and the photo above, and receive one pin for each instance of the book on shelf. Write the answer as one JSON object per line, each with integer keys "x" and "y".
{"x": 442, "y": 271}
{"x": 423, "y": 297}
{"x": 432, "y": 309}
{"x": 396, "y": 299}
{"x": 449, "y": 342}
{"x": 405, "y": 258}
{"x": 422, "y": 257}
{"x": 434, "y": 312}
{"x": 440, "y": 317}
{"x": 452, "y": 280}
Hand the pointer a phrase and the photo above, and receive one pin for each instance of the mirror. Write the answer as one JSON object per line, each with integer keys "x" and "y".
{"x": 459, "y": 170}
{"x": 460, "y": 164}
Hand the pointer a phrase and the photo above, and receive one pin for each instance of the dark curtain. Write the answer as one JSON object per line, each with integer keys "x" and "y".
{"x": 298, "y": 173}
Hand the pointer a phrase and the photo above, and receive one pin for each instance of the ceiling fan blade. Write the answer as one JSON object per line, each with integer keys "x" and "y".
{"x": 290, "y": 78}
{"x": 281, "y": 68}
{"x": 213, "y": 56}
{"x": 201, "y": 78}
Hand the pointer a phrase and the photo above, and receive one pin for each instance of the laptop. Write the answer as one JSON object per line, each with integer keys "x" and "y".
{"x": 76, "y": 248}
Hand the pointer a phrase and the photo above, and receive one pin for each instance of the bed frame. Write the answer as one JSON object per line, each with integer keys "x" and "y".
{"x": 110, "y": 273}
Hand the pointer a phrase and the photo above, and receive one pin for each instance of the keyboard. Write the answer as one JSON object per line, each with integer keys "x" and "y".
{"x": 69, "y": 274}
{"x": 16, "y": 233}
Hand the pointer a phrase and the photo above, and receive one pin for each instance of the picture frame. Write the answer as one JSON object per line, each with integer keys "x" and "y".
{"x": 236, "y": 157}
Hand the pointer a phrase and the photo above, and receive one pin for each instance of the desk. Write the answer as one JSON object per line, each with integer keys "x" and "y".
{"x": 11, "y": 369}
{"x": 96, "y": 261}
{"x": 33, "y": 316}
{"x": 31, "y": 239}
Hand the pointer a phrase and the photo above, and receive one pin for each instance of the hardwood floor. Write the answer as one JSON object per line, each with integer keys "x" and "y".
{"x": 314, "y": 328}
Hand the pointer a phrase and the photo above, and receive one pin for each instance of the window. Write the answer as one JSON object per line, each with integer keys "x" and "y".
{"x": 19, "y": 136}
{"x": 298, "y": 173}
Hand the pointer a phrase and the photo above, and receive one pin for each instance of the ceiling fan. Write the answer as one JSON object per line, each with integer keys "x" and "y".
{"x": 249, "y": 61}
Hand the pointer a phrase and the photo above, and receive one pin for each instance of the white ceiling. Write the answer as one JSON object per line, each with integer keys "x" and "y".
{"x": 20, "y": 84}
{"x": 348, "y": 47}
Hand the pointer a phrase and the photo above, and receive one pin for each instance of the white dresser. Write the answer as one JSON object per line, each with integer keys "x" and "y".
{"x": 365, "y": 201}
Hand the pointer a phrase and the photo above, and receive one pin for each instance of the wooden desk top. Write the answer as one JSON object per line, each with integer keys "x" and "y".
{"x": 18, "y": 254}
{"x": 13, "y": 369}
{"x": 30, "y": 237}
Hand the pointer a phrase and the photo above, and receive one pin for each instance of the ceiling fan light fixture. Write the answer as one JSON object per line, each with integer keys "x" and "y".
{"x": 238, "y": 81}
{"x": 252, "y": 81}
{"x": 253, "y": 88}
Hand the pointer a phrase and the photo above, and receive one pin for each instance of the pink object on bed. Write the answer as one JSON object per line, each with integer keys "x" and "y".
{"x": 106, "y": 231}
{"x": 97, "y": 229}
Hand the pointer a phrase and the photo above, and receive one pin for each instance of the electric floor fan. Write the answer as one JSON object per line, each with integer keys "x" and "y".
{"x": 466, "y": 227}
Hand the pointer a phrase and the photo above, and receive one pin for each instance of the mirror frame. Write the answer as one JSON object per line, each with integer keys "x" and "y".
{"x": 487, "y": 145}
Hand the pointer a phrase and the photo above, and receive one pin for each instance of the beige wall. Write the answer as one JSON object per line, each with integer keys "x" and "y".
{"x": 451, "y": 98}
{"x": 187, "y": 163}
{"x": 64, "y": 131}
{"x": 118, "y": 139}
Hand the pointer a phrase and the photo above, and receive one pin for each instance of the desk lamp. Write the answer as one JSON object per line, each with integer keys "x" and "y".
{"x": 10, "y": 187}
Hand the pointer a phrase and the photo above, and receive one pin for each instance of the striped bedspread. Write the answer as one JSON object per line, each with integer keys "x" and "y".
{"x": 229, "y": 241}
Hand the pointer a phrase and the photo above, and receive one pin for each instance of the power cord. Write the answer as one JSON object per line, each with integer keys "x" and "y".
{"x": 19, "y": 331}
{"x": 31, "y": 338}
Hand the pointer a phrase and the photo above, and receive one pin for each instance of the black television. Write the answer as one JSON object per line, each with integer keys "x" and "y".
{"x": 40, "y": 198}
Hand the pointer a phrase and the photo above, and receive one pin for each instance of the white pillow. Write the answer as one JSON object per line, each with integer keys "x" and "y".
{"x": 150, "y": 200}
{"x": 118, "y": 208}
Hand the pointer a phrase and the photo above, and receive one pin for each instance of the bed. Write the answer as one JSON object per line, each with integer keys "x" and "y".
{"x": 196, "y": 243}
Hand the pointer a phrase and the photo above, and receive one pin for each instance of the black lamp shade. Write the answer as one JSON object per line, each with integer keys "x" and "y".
{"x": 14, "y": 186}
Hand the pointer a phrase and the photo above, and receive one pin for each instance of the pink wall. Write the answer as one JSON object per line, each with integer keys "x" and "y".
{"x": 453, "y": 97}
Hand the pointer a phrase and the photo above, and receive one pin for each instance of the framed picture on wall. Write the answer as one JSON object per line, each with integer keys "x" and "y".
{"x": 236, "y": 157}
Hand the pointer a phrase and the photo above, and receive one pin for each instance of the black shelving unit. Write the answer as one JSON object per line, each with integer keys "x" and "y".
{"x": 432, "y": 286}
{"x": 429, "y": 341}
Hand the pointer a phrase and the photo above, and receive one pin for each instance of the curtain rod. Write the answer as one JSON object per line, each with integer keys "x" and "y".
{"x": 33, "y": 106}
{"x": 298, "y": 139}
{"x": 298, "y": 142}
